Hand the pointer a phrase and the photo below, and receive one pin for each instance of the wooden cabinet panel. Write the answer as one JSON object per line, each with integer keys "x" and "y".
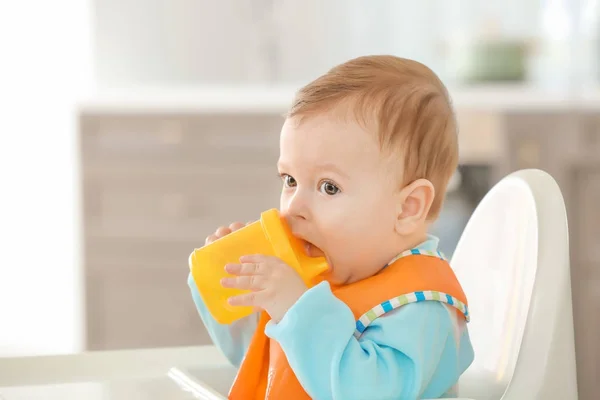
{"x": 175, "y": 208}
{"x": 587, "y": 333}
{"x": 142, "y": 307}
{"x": 154, "y": 186}
{"x": 173, "y": 197}
{"x": 540, "y": 139}
{"x": 586, "y": 214}
{"x": 180, "y": 140}
{"x": 588, "y": 139}
{"x": 129, "y": 253}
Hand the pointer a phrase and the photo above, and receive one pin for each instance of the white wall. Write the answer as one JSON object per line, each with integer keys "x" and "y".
{"x": 177, "y": 41}
{"x": 157, "y": 42}
{"x": 46, "y": 63}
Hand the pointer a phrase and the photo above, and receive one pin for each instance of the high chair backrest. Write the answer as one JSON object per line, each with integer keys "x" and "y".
{"x": 513, "y": 263}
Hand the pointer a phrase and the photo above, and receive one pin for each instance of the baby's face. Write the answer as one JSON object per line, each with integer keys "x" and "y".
{"x": 339, "y": 195}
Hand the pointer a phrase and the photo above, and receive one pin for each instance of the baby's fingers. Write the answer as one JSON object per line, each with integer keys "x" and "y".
{"x": 209, "y": 239}
{"x": 251, "y": 282}
{"x": 219, "y": 233}
{"x": 252, "y": 299}
{"x": 236, "y": 225}
{"x": 245, "y": 269}
{"x": 222, "y": 231}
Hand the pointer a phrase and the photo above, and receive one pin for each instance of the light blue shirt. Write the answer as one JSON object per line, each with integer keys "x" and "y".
{"x": 416, "y": 351}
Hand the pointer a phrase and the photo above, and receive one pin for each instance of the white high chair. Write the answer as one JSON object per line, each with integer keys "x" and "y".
{"x": 513, "y": 263}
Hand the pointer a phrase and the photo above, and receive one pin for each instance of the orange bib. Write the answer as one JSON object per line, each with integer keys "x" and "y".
{"x": 265, "y": 372}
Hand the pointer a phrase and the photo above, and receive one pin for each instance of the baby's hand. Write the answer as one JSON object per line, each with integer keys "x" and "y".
{"x": 274, "y": 286}
{"x": 224, "y": 231}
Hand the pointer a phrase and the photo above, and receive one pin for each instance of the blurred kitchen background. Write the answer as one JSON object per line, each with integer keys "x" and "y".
{"x": 130, "y": 129}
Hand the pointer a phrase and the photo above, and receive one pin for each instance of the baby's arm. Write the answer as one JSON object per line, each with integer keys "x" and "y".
{"x": 406, "y": 354}
{"x": 233, "y": 339}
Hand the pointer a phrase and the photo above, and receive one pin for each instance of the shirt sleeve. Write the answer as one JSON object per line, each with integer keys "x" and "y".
{"x": 397, "y": 357}
{"x": 232, "y": 339}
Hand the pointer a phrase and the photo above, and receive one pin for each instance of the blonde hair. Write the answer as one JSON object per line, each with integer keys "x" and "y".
{"x": 404, "y": 102}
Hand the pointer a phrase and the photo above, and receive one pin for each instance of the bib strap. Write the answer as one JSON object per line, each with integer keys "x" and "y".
{"x": 414, "y": 297}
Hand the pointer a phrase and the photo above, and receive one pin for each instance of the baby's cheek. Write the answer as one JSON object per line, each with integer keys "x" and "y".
{"x": 338, "y": 251}
{"x": 348, "y": 253}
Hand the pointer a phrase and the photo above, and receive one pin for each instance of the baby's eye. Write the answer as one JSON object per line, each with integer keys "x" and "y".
{"x": 288, "y": 180}
{"x": 329, "y": 188}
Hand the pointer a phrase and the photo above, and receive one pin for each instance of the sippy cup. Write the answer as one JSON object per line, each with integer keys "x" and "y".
{"x": 269, "y": 236}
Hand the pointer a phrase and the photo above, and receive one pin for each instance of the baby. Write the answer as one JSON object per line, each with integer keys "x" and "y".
{"x": 366, "y": 153}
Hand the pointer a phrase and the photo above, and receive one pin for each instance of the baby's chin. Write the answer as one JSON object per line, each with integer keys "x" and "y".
{"x": 335, "y": 280}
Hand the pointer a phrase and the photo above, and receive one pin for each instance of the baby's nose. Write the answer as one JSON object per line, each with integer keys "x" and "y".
{"x": 295, "y": 208}
{"x": 292, "y": 218}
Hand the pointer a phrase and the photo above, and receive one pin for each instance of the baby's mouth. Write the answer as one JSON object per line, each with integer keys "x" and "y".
{"x": 311, "y": 250}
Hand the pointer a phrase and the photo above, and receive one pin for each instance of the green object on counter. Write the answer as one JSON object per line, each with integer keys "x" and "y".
{"x": 494, "y": 61}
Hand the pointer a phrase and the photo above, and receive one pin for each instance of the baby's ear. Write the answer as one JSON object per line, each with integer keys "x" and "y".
{"x": 414, "y": 202}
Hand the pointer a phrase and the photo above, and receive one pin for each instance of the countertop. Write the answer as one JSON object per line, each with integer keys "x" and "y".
{"x": 165, "y": 373}
{"x": 276, "y": 99}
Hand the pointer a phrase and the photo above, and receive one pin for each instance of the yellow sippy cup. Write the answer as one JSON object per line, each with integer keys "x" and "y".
{"x": 269, "y": 236}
